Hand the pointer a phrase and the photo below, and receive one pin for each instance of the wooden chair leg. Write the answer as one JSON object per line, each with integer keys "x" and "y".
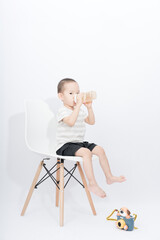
{"x": 61, "y": 193}
{"x": 57, "y": 190}
{"x": 86, "y": 188}
{"x": 32, "y": 188}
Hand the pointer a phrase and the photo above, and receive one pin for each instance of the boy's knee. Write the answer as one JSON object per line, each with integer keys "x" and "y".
{"x": 85, "y": 152}
{"x": 100, "y": 150}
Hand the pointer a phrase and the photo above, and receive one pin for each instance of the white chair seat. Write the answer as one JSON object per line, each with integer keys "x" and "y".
{"x": 72, "y": 158}
{"x": 68, "y": 158}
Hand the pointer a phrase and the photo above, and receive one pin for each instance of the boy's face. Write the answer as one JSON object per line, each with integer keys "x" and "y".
{"x": 70, "y": 89}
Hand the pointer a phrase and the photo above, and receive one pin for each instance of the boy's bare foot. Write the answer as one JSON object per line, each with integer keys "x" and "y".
{"x": 96, "y": 190}
{"x": 113, "y": 179}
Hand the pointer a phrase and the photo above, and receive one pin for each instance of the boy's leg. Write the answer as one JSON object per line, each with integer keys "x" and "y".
{"x": 99, "y": 151}
{"x": 88, "y": 168}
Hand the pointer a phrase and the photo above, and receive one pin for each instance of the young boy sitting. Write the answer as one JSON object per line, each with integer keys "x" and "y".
{"x": 71, "y": 131}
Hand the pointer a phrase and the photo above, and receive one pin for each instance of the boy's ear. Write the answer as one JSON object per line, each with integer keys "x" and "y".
{"x": 60, "y": 95}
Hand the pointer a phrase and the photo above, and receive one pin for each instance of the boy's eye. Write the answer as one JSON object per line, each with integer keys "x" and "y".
{"x": 70, "y": 93}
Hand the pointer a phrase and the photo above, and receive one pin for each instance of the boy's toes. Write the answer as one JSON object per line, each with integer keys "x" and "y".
{"x": 103, "y": 195}
{"x": 123, "y": 178}
{"x": 116, "y": 179}
{"x": 97, "y": 190}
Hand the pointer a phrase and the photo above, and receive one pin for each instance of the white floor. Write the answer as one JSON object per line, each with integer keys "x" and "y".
{"x": 41, "y": 220}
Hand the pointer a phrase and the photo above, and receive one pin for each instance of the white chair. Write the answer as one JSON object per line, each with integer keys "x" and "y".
{"x": 40, "y": 129}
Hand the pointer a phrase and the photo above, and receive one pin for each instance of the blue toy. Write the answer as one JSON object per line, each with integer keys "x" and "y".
{"x": 124, "y": 219}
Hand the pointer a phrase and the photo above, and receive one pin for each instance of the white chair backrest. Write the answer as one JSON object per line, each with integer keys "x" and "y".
{"x": 40, "y": 127}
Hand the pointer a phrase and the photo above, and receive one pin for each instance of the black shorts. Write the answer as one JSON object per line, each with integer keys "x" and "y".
{"x": 70, "y": 148}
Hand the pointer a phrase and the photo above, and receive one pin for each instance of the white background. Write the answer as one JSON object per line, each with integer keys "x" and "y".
{"x": 111, "y": 47}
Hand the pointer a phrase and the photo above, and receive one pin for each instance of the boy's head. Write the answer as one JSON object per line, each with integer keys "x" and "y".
{"x": 67, "y": 88}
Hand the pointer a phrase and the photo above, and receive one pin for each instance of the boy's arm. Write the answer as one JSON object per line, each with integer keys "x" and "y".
{"x": 71, "y": 119}
{"x": 91, "y": 118}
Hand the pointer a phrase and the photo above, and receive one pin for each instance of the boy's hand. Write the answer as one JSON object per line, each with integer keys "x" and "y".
{"x": 88, "y": 104}
{"x": 79, "y": 99}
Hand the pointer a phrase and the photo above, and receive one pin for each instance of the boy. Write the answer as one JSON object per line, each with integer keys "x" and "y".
{"x": 70, "y": 134}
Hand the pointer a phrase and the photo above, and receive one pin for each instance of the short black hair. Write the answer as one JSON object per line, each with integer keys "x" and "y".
{"x": 60, "y": 87}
